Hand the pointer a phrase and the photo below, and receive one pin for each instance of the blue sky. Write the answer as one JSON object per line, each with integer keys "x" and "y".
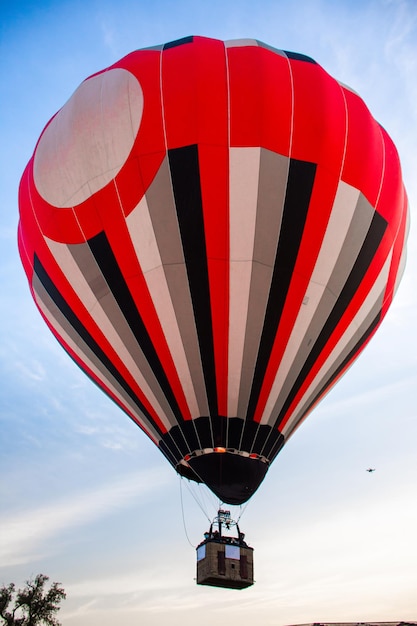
{"x": 87, "y": 499}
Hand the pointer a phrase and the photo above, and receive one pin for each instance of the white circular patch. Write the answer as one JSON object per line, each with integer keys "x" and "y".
{"x": 88, "y": 141}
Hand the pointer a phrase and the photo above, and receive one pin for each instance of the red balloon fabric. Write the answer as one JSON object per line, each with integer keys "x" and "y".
{"x": 214, "y": 231}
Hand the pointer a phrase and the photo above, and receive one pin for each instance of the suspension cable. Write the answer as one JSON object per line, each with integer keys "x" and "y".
{"x": 242, "y": 510}
{"x": 183, "y": 516}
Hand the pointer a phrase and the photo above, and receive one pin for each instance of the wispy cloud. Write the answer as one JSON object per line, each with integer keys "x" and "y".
{"x": 25, "y": 535}
{"x": 367, "y": 395}
{"x": 33, "y": 371}
{"x": 107, "y": 424}
{"x": 108, "y": 35}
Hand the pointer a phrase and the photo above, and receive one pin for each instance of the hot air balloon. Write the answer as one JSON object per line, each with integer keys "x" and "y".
{"x": 214, "y": 231}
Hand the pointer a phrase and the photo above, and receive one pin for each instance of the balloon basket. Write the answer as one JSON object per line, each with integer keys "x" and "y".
{"x": 224, "y": 560}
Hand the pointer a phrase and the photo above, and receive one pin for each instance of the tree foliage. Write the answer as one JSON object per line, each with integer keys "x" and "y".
{"x": 33, "y": 605}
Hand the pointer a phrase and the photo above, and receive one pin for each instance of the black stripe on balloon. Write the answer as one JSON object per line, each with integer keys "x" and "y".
{"x": 173, "y": 460}
{"x": 297, "y": 199}
{"x": 104, "y": 256}
{"x": 299, "y": 57}
{"x": 345, "y": 362}
{"x": 185, "y": 176}
{"x": 178, "y": 42}
{"x": 83, "y": 333}
{"x": 277, "y": 446}
{"x": 369, "y": 248}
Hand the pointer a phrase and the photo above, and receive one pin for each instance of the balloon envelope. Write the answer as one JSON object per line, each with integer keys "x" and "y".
{"x": 213, "y": 231}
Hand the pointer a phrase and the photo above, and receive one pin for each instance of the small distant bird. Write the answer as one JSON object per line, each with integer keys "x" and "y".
{"x": 370, "y": 469}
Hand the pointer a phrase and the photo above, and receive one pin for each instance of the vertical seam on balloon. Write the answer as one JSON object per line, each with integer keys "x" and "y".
{"x": 169, "y": 169}
{"x": 228, "y": 96}
{"x": 167, "y": 452}
{"x": 226, "y": 55}
{"x": 267, "y": 440}
{"x": 119, "y": 199}
{"x": 346, "y": 131}
{"x": 292, "y": 107}
{"x": 101, "y": 115}
{"x": 227, "y": 431}
{"x": 79, "y": 224}
{"x": 289, "y": 155}
{"x": 170, "y": 435}
{"x": 383, "y": 169}
{"x": 241, "y": 434}
{"x": 180, "y": 454}
{"x": 254, "y": 438}
{"x": 276, "y": 447}
{"x": 161, "y": 93}
{"x": 196, "y": 432}
{"x": 273, "y": 430}
{"x": 130, "y": 108}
